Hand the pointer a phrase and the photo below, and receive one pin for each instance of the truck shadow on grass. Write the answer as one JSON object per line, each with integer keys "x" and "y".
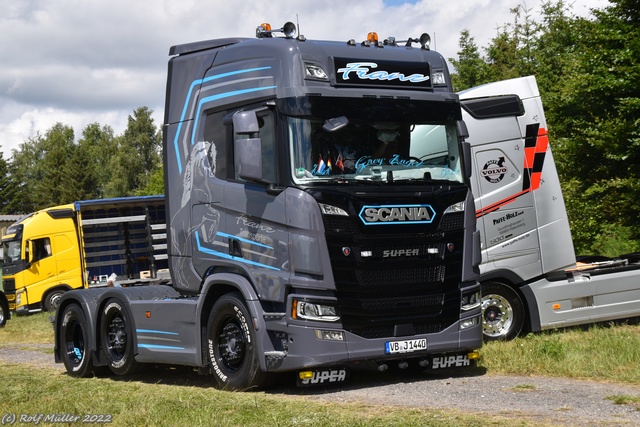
{"x": 285, "y": 383}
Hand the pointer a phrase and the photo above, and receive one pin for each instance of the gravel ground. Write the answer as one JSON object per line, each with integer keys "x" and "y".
{"x": 536, "y": 400}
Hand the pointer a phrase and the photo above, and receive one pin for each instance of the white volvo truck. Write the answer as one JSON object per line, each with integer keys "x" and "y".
{"x": 529, "y": 275}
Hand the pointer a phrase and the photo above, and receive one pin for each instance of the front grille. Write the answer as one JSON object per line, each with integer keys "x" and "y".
{"x": 388, "y": 331}
{"x": 9, "y": 286}
{"x": 404, "y": 276}
{"x": 452, "y": 221}
{"x": 395, "y": 284}
{"x": 402, "y": 303}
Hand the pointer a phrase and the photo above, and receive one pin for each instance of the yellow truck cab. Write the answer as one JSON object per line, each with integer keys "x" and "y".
{"x": 33, "y": 278}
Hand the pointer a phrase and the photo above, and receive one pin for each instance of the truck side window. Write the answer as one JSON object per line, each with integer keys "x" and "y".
{"x": 268, "y": 138}
{"x": 216, "y": 134}
{"x": 41, "y": 249}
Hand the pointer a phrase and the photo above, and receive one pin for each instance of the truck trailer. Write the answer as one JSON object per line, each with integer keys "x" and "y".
{"x": 319, "y": 217}
{"x": 530, "y": 277}
{"x": 81, "y": 244}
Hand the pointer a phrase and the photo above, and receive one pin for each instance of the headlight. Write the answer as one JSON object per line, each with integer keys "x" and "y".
{"x": 456, "y": 207}
{"x": 315, "y": 72}
{"x": 314, "y": 311}
{"x": 19, "y": 297}
{"x": 471, "y": 301}
{"x": 438, "y": 78}
{"x": 470, "y": 322}
{"x": 332, "y": 210}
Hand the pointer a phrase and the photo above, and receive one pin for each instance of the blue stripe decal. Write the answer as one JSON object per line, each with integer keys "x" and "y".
{"x": 151, "y": 331}
{"x": 227, "y": 256}
{"x": 190, "y": 92}
{"x": 163, "y": 347}
{"x": 251, "y": 242}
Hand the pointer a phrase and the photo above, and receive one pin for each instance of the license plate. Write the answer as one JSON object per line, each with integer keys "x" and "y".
{"x": 406, "y": 346}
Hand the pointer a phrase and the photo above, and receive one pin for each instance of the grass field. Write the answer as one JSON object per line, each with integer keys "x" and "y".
{"x": 603, "y": 353}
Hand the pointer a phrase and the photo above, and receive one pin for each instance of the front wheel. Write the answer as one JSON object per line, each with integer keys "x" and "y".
{"x": 232, "y": 346}
{"x": 4, "y": 312}
{"x": 502, "y": 312}
{"x": 52, "y": 299}
{"x": 117, "y": 338}
{"x": 74, "y": 342}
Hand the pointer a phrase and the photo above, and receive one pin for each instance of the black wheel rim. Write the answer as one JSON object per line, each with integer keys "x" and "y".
{"x": 74, "y": 342}
{"x": 116, "y": 337}
{"x": 232, "y": 345}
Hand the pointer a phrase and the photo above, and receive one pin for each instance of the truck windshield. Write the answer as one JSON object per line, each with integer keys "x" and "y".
{"x": 10, "y": 252}
{"x": 345, "y": 151}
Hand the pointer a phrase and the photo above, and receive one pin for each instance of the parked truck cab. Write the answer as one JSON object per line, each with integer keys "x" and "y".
{"x": 28, "y": 247}
{"x": 530, "y": 277}
{"x": 319, "y": 216}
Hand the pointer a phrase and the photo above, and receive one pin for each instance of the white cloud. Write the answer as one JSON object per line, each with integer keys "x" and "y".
{"x": 78, "y": 62}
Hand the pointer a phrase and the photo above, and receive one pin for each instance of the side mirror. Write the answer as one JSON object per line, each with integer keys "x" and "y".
{"x": 466, "y": 159}
{"x": 245, "y": 123}
{"x": 463, "y": 132}
{"x": 248, "y": 151}
{"x": 248, "y": 158}
{"x": 28, "y": 255}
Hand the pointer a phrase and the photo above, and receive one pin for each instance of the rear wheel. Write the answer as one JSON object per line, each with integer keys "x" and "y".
{"x": 502, "y": 312}
{"x": 52, "y": 299}
{"x": 74, "y": 341}
{"x": 117, "y": 338}
{"x": 232, "y": 346}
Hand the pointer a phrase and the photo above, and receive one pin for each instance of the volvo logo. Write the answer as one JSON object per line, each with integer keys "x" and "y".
{"x": 397, "y": 214}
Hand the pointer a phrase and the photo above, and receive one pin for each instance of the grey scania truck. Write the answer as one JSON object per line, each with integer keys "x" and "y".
{"x": 319, "y": 216}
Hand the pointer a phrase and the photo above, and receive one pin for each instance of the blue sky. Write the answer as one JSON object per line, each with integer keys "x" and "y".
{"x": 85, "y": 61}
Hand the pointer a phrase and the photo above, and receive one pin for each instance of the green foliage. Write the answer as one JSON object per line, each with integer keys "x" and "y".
{"x": 155, "y": 184}
{"x": 100, "y": 145}
{"x": 7, "y": 189}
{"x": 138, "y": 154}
{"x": 471, "y": 70}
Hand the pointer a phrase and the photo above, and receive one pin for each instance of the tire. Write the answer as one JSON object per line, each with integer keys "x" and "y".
{"x": 74, "y": 342}
{"x": 4, "y": 312}
{"x": 233, "y": 353}
{"x": 52, "y": 299}
{"x": 503, "y": 312}
{"x": 117, "y": 338}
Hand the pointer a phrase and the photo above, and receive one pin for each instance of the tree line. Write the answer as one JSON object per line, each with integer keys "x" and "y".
{"x": 587, "y": 71}
{"x": 53, "y": 168}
